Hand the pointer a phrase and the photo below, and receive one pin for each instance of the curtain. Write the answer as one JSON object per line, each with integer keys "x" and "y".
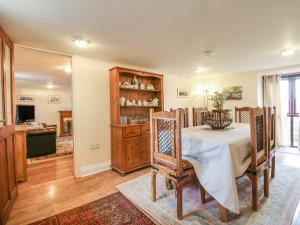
{"x": 271, "y": 97}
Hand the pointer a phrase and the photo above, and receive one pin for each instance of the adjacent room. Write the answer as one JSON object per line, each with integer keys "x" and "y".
{"x": 149, "y": 112}
{"x": 43, "y": 99}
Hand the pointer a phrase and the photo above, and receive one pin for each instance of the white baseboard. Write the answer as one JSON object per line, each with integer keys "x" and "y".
{"x": 95, "y": 168}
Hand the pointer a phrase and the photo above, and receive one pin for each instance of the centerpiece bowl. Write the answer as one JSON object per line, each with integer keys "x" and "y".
{"x": 218, "y": 119}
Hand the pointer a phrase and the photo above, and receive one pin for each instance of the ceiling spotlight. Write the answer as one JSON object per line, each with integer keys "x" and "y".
{"x": 201, "y": 69}
{"x": 50, "y": 86}
{"x": 68, "y": 69}
{"x": 81, "y": 43}
{"x": 287, "y": 52}
{"x": 208, "y": 53}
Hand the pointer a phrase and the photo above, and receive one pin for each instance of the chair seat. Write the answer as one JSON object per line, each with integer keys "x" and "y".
{"x": 186, "y": 165}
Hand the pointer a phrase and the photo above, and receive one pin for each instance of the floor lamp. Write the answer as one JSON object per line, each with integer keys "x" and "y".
{"x": 206, "y": 96}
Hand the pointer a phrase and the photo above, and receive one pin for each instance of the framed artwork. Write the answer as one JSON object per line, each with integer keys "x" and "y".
{"x": 183, "y": 93}
{"x": 54, "y": 99}
{"x": 233, "y": 93}
{"x": 25, "y": 98}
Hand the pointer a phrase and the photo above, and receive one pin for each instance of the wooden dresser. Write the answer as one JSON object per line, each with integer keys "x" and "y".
{"x": 130, "y": 131}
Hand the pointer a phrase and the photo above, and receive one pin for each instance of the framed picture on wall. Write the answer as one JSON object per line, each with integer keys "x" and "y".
{"x": 54, "y": 99}
{"x": 25, "y": 98}
{"x": 183, "y": 93}
{"x": 233, "y": 93}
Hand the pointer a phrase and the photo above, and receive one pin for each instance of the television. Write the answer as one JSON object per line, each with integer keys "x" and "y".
{"x": 25, "y": 113}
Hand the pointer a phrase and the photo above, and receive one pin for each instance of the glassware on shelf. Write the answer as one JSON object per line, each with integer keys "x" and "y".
{"x": 122, "y": 101}
{"x": 123, "y": 120}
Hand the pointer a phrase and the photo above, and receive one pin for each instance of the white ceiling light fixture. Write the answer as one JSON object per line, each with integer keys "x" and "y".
{"x": 68, "y": 69}
{"x": 50, "y": 86}
{"x": 81, "y": 43}
{"x": 287, "y": 52}
{"x": 208, "y": 54}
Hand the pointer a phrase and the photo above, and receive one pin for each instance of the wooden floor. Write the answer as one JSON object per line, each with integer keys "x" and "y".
{"x": 51, "y": 188}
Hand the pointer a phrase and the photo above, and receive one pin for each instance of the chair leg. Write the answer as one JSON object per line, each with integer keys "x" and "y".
{"x": 153, "y": 185}
{"x": 202, "y": 194}
{"x": 179, "y": 202}
{"x": 266, "y": 182}
{"x": 273, "y": 167}
{"x": 254, "y": 192}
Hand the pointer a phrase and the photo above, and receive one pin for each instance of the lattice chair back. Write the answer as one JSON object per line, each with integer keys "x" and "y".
{"x": 199, "y": 116}
{"x": 184, "y": 116}
{"x": 258, "y": 138}
{"x": 242, "y": 115}
{"x": 271, "y": 127}
{"x": 166, "y": 140}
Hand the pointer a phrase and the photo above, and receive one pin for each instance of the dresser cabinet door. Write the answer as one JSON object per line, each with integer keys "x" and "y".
{"x": 131, "y": 147}
{"x": 145, "y": 150}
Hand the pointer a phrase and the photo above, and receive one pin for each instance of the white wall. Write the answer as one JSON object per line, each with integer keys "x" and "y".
{"x": 248, "y": 80}
{"x": 45, "y": 112}
{"x": 251, "y": 81}
{"x": 91, "y": 111}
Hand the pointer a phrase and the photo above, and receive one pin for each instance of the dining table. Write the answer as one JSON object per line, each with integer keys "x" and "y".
{"x": 219, "y": 157}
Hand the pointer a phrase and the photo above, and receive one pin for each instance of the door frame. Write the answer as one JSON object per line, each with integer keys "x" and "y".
{"x": 73, "y": 119}
{"x": 292, "y": 110}
{"x": 7, "y": 132}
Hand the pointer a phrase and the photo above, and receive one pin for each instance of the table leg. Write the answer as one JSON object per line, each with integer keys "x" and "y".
{"x": 224, "y": 214}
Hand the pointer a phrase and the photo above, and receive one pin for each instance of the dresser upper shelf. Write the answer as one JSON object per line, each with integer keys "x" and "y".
{"x": 141, "y": 106}
{"x": 136, "y": 89}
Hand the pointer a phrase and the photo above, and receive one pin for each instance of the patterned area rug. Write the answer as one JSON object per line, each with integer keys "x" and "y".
{"x": 277, "y": 209}
{"x": 64, "y": 146}
{"x": 114, "y": 209}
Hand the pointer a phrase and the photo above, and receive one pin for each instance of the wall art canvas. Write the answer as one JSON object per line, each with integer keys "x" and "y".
{"x": 54, "y": 99}
{"x": 233, "y": 93}
{"x": 25, "y": 98}
{"x": 183, "y": 93}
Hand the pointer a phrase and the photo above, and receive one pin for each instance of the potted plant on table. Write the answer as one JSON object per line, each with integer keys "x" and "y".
{"x": 218, "y": 118}
{"x": 218, "y": 100}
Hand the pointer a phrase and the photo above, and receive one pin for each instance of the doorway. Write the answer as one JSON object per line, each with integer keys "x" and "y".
{"x": 290, "y": 109}
{"x": 42, "y": 94}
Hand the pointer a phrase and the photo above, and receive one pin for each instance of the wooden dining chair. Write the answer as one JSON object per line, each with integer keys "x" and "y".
{"x": 166, "y": 155}
{"x": 271, "y": 138}
{"x": 242, "y": 114}
{"x": 199, "y": 116}
{"x": 259, "y": 152}
{"x": 184, "y": 116}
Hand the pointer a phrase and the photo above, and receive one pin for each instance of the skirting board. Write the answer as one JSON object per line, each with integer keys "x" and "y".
{"x": 95, "y": 168}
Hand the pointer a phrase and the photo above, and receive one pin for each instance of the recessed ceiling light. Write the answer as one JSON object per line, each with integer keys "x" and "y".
{"x": 81, "y": 43}
{"x": 68, "y": 69}
{"x": 50, "y": 86}
{"x": 287, "y": 52}
{"x": 209, "y": 53}
{"x": 201, "y": 69}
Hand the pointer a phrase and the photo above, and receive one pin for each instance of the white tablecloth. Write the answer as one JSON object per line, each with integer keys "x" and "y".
{"x": 218, "y": 156}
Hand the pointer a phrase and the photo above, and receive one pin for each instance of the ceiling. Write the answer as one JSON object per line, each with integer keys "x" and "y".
{"x": 39, "y": 69}
{"x": 169, "y": 36}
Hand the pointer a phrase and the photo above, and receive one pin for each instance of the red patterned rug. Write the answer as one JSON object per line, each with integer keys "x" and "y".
{"x": 114, "y": 209}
